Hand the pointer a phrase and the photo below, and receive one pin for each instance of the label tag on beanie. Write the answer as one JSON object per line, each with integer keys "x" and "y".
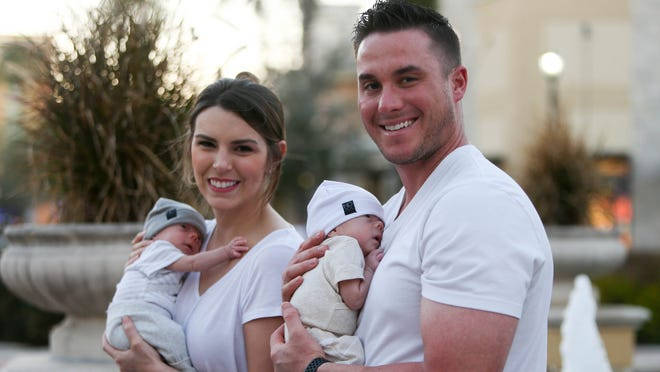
{"x": 171, "y": 214}
{"x": 349, "y": 207}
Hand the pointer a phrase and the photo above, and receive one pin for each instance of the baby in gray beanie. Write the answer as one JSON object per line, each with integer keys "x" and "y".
{"x": 148, "y": 288}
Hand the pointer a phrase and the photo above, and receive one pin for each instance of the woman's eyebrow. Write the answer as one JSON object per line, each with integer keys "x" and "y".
{"x": 205, "y": 137}
{"x": 234, "y": 142}
{"x": 244, "y": 141}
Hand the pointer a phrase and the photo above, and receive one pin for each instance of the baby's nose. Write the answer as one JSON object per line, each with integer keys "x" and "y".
{"x": 195, "y": 237}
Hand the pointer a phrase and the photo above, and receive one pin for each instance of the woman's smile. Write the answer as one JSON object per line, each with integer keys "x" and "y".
{"x": 223, "y": 185}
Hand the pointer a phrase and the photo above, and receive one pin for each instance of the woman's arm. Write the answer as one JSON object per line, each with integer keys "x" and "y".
{"x": 139, "y": 357}
{"x": 257, "y": 334}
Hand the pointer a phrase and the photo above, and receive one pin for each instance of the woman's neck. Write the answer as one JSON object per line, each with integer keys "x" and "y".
{"x": 252, "y": 223}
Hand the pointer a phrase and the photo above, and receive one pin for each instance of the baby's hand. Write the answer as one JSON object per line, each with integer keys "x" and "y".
{"x": 237, "y": 247}
{"x": 373, "y": 259}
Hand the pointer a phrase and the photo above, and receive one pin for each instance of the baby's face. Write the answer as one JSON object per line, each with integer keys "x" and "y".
{"x": 366, "y": 229}
{"x": 183, "y": 236}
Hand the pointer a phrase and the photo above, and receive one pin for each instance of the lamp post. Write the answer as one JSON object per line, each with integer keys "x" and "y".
{"x": 551, "y": 65}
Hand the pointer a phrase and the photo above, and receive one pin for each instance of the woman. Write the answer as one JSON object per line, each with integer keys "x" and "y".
{"x": 234, "y": 151}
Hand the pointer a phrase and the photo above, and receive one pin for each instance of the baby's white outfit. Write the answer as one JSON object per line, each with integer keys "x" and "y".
{"x": 146, "y": 293}
{"x": 321, "y": 309}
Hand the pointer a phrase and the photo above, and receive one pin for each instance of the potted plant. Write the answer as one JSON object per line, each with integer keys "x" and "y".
{"x": 103, "y": 109}
{"x": 561, "y": 179}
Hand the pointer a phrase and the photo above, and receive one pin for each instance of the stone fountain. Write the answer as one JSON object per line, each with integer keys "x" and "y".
{"x": 70, "y": 269}
{"x": 583, "y": 250}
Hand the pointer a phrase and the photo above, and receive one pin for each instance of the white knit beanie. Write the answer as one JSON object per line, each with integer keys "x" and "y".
{"x": 167, "y": 212}
{"x": 335, "y": 202}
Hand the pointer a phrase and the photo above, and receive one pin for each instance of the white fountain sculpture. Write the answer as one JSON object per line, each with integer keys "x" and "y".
{"x": 581, "y": 347}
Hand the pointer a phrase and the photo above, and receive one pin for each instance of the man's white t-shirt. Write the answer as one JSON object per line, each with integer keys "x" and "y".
{"x": 213, "y": 322}
{"x": 470, "y": 238}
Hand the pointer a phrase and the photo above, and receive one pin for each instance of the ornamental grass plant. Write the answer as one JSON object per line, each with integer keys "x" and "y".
{"x": 560, "y": 175}
{"x": 104, "y": 104}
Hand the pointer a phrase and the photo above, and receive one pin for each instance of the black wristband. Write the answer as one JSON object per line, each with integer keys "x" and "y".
{"x": 315, "y": 364}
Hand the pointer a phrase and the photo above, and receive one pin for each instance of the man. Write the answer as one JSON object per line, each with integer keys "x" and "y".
{"x": 466, "y": 278}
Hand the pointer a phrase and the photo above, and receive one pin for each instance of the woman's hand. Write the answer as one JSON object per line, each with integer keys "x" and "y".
{"x": 139, "y": 245}
{"x": 139, "y": 357}
{"x": 306, "y": 258}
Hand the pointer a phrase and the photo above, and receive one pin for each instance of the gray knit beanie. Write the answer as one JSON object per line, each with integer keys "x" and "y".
{"x": 167, "y": 212}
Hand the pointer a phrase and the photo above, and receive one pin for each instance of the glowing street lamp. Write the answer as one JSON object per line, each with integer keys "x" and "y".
{"x": 552, "y": 65}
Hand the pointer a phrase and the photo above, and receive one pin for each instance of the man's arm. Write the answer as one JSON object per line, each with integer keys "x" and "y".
{"x": 455, "y": 339}
{"x": 462, "y": 339}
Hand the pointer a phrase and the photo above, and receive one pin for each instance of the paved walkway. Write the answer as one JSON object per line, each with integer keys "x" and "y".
{"x": 9, "y": 350}
{"x": 647, "y": 357}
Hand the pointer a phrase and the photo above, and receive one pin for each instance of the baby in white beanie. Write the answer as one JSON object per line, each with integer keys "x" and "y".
{"x": 334, "y": 291}
{"x": 148, "y": 288}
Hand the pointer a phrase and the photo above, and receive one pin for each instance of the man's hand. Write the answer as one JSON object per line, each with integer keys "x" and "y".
{"x": 299, "y": 350}
{"x": 306, "y": 258}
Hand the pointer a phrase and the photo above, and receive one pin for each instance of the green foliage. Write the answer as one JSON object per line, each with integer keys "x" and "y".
{"x": 103, "y": 111}
{"x": 13, "y": 176}
{"x": 623, "y": 289}
{"x": 14, "y": 198}
{"x": 309, "y": 149}
{"x": 324, "y": 134}
{"x": 560, "y": 176}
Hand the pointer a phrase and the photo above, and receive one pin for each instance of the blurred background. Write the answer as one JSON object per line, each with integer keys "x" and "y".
{"x": 560, "y": 97}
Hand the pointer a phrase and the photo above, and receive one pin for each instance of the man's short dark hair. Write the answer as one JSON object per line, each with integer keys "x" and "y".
{"x": 399, "y": 15}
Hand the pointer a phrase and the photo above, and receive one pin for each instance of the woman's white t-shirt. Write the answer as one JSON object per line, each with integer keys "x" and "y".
{"x": 213, "y": 322}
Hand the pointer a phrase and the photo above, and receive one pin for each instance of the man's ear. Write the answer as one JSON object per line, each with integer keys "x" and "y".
{"x": 458, "y": 79}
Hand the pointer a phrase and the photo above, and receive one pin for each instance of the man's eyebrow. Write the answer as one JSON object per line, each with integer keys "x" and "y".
{"x": 366, "y": 77}
{"x": 407, "y": 69}
{"x": 401, "y": 71}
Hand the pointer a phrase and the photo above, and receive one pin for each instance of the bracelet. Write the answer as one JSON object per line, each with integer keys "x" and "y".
{"x": 315, "y": 364}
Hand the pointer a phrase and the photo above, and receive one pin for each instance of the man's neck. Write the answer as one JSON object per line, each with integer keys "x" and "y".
{"x": 415, "y": 174}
